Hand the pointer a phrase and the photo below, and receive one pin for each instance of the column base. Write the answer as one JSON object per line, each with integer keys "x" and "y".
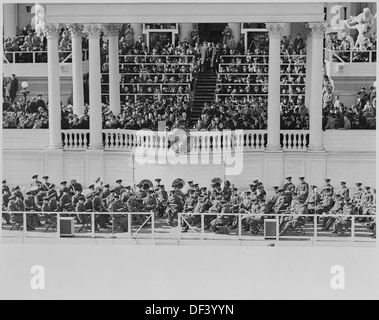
{"x": 96, "y": 147}
{"x": 274, "y": 148}
{"x": 55, "y": 148}
{"x": 315, "y": 149}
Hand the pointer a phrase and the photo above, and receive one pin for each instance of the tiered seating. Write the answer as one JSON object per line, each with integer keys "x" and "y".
{"x": 152, "y": 77}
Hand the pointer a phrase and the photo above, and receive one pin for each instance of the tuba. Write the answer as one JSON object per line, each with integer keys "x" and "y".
{"x": 146, "y": 185}
{"x": 178, "y": 184}
{"x": 216, "y": 182}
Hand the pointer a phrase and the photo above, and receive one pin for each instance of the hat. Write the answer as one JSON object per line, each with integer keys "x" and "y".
{"x": 196, "y": 185}
{"x": 92, "y": 186}
{"x": 358, "y": 184}
{"x": 248, "y": 192}
{"x": 367, "y": 187}
{"x": 158, "y": 180}
{"x": 107, "y": 185}
{"x": 45, "y": 177}
{"x": 4, "y": 181}
{"x": 203, "y": 189}
{"x": 28, "y": 193}
{"x": 190, "y": 182}
{"x": 255, "y": 181}
{"x": 327, "y": 180}
{"x": 235, "y": 189}
{"x": 73, "y": 181}
{"x": 63, "y": 182}
{"x": 275, "y": 187}
{"x": 301, "y": 178}
{"x": 288, "y": 178}
{"x": 343, "y": 182}
{"x": 35, "y": 176}
{"x": 127, "y": 188}
{"x": 15, "y": 188}
{"x": 119, "y": 181}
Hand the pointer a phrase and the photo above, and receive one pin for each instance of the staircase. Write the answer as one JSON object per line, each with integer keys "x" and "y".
{"x": 204, "y": 92}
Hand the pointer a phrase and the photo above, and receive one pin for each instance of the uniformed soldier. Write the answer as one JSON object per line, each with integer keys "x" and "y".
{"x": 88, "y": 206}
{"x": 327, "y": 186}
{"x": 327, "y": 202}
{"x": 125, "y": 195}
{"x": 52, "y": 190}
{"x": 189, "y": 207}
{"x": 162, "y": 198}
{"x": 345, "y": 220}
{"x": 120, "y": 220}
{"x": 13, "y": 209}
{"x": 158, "y": 182}
{"x": 17, "y": 192}
{"x": 235, "y": 200}
{"x": 150, "y": 202}
{"x": 65, "y": 201}
{"x": 330, "y": 217}
{"x": 45, "y": 185}
{"x": 219, "y": 224}
{"x": 298, "y": 210}
{"x": 76, "y": 197}
{"x": 63, "y": 186}
{"x": 314, "y": 199}
{"x": 45, "y": 205}
{"x": 302, "y": 190}
{"x": 35, "y": 182}
{"x": 283, "y": 202}
{"x": 38, "y": 199}
{"x": 261, "y": 193}
{"x": 254, "y": 209}
{"x": 174, "y": 205}
{"x": 140, "y": 193}
{"x": 357, "y": 198}
{"x": 273, "y": 199}
{"x": 190, "y": 187}
{"x": 53, "y": 203}
{"x": 227, "y": 191}
{"x": 6, "y": 216}
{"x": 288, "y": 185}
{"x": 246, "y": 203}
{"x": 366, "y": 201}
{"x": 119, "y": 187}
{"x": 105, "y": 194}
{"x": 74, "y": 187}
{"x": 345, "y": 193}
{"x": 5, "y": 187}
{"x": 97, "y": 205}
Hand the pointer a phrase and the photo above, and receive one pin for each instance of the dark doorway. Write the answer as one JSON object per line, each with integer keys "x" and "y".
{"x": 211, "y": 32}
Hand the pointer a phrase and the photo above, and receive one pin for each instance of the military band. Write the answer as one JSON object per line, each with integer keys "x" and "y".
{"x": 221, "y": 204}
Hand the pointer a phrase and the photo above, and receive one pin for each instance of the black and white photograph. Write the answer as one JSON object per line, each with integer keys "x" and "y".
{"x": 214, "y": 148}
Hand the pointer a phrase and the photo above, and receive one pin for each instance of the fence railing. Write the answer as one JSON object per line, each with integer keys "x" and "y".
{"x": 292, "y": 140}
{"x": 193, "y": 226}
{"x": 350, "y": 56}
{"x": 75, "y": 139}
{"x": 10, "y": 57}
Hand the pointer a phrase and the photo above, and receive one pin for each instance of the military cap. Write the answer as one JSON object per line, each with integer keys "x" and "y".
{"x": 327, "y": 180}
{"x": 112, "y": 191}
{"x": 4, "y": 181}
{"x": 45, "y": 177}
{"x": 35, "y": 176}
{"x": 338, "y": 194}
{"x": 235, "y": 189}
{"x": 119, "y": 181}
{"x": 15, "y": 188}
{"x": 358, "y": 184}
{"x": 275, "y": 187}
{"x": 158, "y": 180}
{"x": 28, "y": 193}
{"x": 63, "y": 183}
{"x": 248, "y": 192}
{"x": 255, "y": 181}
{"x": 313, "y": 186}
{"x": 367, "y": 187}
{"x": 128, "y": 188}
{"x": 95, "y": 193}
{"x": 190, "y": 182}
{"x": 203, "y": 189}
{"x": 172, "y": 191}
{"x": 196, "y": 185}
{"x": 107, "y": 185}
{"x": 288, "y": 178}
{"x": 301, "y": 178}
{"x": 92, "y": 186}
{"x": 343, "y": 182}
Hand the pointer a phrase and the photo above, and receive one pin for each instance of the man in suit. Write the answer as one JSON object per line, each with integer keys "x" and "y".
{"x": 12, "y": 88}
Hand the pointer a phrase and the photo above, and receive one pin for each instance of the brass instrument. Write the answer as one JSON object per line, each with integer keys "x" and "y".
{"x": 178, "y": 184}
{"x": 216, "y": 182}
{"x": 146, "y": 185}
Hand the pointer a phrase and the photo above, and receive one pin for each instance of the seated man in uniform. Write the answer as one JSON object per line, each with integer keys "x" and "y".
{"x": 189, "y": 207}
{"x": 344, "y": 221}
{"x": 256, "y": 221}
{"x": 219, "y": 224}
{"x": 314, "y": 199}
{"x": 119, "y": 220}
{"x": 329, "y": 218}
{"x": 297, "y": 219}
{"x": 175, "y": 205}
{"x": 5, "y": 215}
{"x": 282, "y": 203}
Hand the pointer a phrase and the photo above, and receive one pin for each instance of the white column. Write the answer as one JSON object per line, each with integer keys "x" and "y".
{"x": 317, "y": 67}
{"x": 77, "y": 69}
{"x": 236, "y": 28}
{"x": 111, "y": 31}
{"x": 54, "y": 88}
{"x": 138, "y": 30}
{"x": 95, "y": 106}
{"x": 10, "y": 19}
{"x": 273, "y": 121}
{"x": 308, "y": 88}
{"x": 185, "y": 31}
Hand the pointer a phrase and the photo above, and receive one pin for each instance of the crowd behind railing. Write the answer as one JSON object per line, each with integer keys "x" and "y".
{"x": 334, "y": 209}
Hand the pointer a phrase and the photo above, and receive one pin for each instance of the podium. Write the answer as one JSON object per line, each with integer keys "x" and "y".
{"x": 270, "y": 231}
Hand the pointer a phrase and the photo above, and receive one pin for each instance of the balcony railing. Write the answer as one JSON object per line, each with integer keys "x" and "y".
{"x": 350, "y": 56}
{"x": 193, "y": 226}
{"x": 10, "y": 57}
{"x": 75, "y": 140}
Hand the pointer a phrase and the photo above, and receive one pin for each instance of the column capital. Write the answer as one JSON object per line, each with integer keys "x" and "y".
{"x": 112, "y": 29}
{"x": 275, "y": 30}
{"x": 316, "y": 29}
{"x": 76, "y": 29}
{"x": 52, "y": 30}
{"x": 93, "y": 30}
